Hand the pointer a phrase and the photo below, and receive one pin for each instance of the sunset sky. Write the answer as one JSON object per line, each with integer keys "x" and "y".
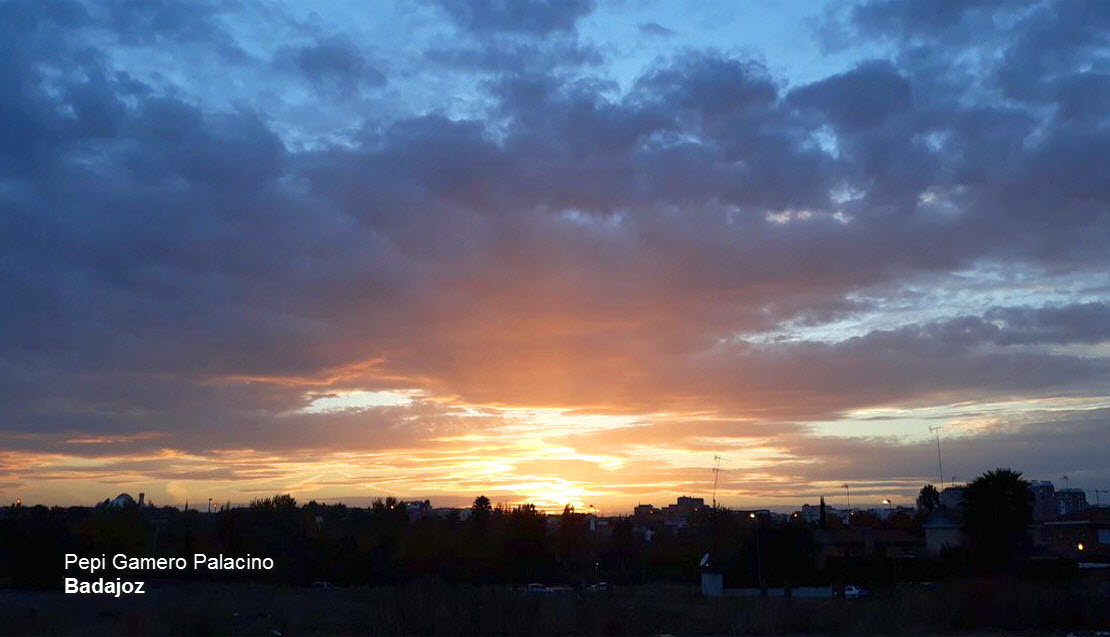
{"x": 560, "y": 252}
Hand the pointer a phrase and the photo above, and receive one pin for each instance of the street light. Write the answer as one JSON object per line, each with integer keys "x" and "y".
{"x": 758, "y": 559}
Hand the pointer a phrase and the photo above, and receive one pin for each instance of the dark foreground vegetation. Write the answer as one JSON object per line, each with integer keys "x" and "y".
{"x": 397, "y": 543}
{"x": 390, "y": 544}
{"x": 404, "y": 568}
{"x": 172, "y": 608}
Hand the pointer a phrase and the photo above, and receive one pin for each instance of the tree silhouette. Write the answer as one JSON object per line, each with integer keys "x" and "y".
{"x": 998, "y": 507}
{"x": 928, "y": 500}
{"x": 280, "y": 502}
{"x": 572, "y": 545}
{"x": 480, "y": 513}
{"x": 525, "y": 548}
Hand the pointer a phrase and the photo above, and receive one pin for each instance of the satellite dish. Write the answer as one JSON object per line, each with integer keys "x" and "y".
{"x": 704, "y": 560}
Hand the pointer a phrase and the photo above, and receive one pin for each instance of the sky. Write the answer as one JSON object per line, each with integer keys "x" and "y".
{"x": 554, "y": 251}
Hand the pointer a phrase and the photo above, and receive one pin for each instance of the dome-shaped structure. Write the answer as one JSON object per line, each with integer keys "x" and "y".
{"x": 122, "y": 501}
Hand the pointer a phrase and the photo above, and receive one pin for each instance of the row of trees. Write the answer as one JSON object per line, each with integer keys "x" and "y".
{"x": 384, "y": 543}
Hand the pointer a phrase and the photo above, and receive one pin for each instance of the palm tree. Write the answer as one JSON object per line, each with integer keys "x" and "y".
{"x": 482, "y": 507}
{"x": 928, "y": 500}
{"x": 998, "y": 507}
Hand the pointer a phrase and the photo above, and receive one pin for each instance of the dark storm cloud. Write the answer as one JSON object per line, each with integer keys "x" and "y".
{"x": 1039, "y": 445}
{"x": 514, "y": 55}
{"x": 711, "y": 84}
{"x": 904, "y": 18}
{"x": 175, "y": 269}
{"x": 866, "y": 96}
{"x": 515, "y": 37}
{"x": 1083, "y": 323}
{"x": 333, "y": 62}
{"x": 22, "y": 18}
{"x": 947, "y": 361}
{"x": 172, "y": 22}
{"x": 537, "y": 18}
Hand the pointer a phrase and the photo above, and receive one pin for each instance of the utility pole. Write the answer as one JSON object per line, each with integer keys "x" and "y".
{"x": 940, "y": 467}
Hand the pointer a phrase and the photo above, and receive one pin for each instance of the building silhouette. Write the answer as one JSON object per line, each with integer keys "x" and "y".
{"x": 1069, "y": 501}
{"x": 1044, "y": 500}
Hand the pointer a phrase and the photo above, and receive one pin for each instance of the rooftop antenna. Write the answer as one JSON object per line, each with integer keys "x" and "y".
{"x": 716, "y": 474}
{"x": 940, "y": 467}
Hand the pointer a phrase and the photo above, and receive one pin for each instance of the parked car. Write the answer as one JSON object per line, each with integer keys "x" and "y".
{"x": 852, "y": 591}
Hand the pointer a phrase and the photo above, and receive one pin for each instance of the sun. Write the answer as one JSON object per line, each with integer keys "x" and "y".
{"x": 552, "y": 495}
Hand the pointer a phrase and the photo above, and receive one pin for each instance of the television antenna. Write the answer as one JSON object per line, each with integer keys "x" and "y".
{"x": 716, "y": 474}
{"x": 940, "y": 467}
